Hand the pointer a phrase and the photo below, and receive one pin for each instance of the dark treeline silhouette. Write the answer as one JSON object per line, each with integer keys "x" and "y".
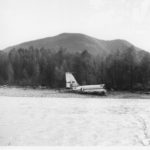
{"x": 120, "y": 70}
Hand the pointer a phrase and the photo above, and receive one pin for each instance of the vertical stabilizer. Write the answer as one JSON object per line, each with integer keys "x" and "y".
{"x": 70, "y": 81}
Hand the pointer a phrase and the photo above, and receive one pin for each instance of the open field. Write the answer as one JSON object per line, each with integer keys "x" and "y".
{"x": 44, "y": 92}
{"x": 49, "y": 119}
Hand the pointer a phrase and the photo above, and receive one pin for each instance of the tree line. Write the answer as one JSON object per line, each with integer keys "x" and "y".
{"x": 119, "y": 70}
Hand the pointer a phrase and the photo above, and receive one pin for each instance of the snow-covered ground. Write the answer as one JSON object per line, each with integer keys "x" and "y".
{"x": 74, "y": 121}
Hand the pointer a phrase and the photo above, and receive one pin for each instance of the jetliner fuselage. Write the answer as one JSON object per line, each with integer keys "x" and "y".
{"x": 72, "y": 84}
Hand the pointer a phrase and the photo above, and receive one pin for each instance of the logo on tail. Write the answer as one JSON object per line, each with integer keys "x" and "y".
{"x": 71, "y": 81}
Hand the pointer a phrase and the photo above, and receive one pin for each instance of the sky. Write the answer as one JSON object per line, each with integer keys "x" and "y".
{"x": 25, "y": 20}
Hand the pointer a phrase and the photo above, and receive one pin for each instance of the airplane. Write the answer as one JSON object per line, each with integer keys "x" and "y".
{"x": 73, "y": 85}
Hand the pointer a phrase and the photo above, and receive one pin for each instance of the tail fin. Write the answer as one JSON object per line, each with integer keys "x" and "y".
{"x": 70, "y": 81}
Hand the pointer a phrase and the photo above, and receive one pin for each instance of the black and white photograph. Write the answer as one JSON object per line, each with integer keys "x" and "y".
{"x": 75, "y": 73}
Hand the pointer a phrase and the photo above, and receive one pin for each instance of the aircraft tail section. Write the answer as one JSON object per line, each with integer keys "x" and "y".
{"x": 71, "y": 81}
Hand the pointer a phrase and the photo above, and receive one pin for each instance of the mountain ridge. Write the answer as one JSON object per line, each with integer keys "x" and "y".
{"x": 75, "y": 42}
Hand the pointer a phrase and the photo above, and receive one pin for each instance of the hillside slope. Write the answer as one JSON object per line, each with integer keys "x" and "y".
{"x": 75, "y": 42}
{"x": 117, "y": 63}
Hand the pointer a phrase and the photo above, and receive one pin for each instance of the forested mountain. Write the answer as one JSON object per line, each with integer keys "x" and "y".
{"x": 75, "y": 42}
{"x": 117, "y": 63}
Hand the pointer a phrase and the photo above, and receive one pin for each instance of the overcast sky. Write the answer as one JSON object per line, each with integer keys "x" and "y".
{"x": 25, "y": 20}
